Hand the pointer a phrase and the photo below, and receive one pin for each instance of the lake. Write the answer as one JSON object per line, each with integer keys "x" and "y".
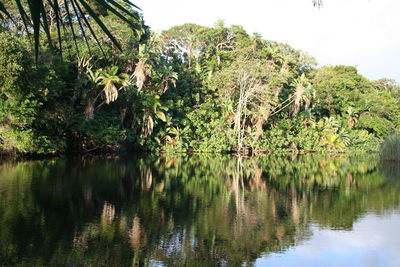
{"x": 200, "y": 210}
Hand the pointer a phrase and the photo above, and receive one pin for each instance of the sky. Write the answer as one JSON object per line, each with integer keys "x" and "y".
{"x": 361, "y": 33}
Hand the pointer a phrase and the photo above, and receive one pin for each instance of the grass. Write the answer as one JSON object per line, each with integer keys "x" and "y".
{"x": 390, "y": 148}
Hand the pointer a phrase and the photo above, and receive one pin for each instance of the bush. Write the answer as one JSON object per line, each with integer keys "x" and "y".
{"x": 34, "y": 101}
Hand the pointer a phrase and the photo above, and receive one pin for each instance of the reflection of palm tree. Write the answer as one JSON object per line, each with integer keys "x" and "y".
{"x": 135, "y": 233}
{"x": 108, "y": 213}
{"x": 146, "y": 178}
{"x": 256, "y": 181}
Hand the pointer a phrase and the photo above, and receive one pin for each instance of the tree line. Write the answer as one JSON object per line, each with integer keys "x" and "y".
{"x": 189, "y": 88}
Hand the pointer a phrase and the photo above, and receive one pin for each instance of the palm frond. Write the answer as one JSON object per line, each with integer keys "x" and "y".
{"x": 37, "y": 20}
{"x": 80, "y": 25}
{"x": 99, "y": 22}
{"x": 35, "y": 9}
{"x": 116, "y": 12}
{"x": 25, "y": 19}
{"x": 4, "y": 11}
{"x": 56, "y": 9}
{"x": 69, "y": 18}
{"x": 82, "y": 15}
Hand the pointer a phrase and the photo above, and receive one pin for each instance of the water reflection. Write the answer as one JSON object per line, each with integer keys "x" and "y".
{"x": 211, "y": 210}
{"x": 374, "y": 241}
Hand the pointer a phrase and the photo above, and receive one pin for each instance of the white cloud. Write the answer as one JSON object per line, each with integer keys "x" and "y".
{"x": 363, "y": 33}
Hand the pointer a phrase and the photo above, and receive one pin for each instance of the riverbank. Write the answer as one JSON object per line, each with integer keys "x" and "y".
{"x": 257, "y": 96}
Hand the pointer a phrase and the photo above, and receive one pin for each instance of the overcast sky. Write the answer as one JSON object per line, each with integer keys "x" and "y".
{"x": 362, "y": 33}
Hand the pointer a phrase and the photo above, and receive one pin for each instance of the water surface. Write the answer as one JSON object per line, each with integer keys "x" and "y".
{"x": 200, "y": 210}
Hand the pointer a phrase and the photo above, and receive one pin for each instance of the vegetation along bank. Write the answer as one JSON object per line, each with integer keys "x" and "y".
{"x": 189, "y": 88}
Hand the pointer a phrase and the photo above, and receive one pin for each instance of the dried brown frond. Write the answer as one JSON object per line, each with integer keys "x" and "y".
{"x": 110, "y": 92}
{"x": 141, "y": 72}
{"x": 164, "y": 83}
{"x": 298, "y": 96}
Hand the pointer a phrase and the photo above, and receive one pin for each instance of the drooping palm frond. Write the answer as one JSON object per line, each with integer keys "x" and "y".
{"x": 317, "y": 3}
{"x": 34, "y": 17}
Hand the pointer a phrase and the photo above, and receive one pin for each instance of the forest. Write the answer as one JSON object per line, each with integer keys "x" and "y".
{"x": 190, "y": 88}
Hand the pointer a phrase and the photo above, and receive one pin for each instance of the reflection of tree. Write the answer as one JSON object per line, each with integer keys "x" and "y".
{"x": 212, "y": 209}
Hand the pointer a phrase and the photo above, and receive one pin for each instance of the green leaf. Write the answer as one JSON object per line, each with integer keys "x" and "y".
{"x": 113, "y": 70}
{"x": 161, "y": 116}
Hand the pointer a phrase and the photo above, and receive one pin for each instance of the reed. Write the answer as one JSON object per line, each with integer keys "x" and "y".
{"x": 390, "y": 148}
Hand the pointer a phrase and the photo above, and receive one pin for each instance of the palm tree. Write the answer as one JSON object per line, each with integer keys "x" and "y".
{"x": 34, "y": 15}
{"x": 110, "y": 80}
{"x": 109, "y": 83}
{"x": 143, "y": 68}
{"x": 301, "y": 85}
{"x": 147, "y": 109}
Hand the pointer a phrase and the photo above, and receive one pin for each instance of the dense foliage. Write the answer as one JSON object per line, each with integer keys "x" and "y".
{"x": 190, "y": 88}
